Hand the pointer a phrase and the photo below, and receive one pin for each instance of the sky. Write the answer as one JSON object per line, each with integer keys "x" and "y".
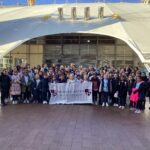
{"x": 24, "y": 2}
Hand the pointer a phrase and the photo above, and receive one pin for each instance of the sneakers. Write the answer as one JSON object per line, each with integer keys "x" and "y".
{"x": 137, "y": 112}
{"x": 132, "y": 109}
{"x": 103, "y": 104}
{"x": 107, "y": 105}
{"x": 120, "y": 107}
{"x": 116, "y": 105}
{"x": 14, "y": 102}
{"x": 7, "y": 100}
{"x": 44, "y": 102}
{"x": 96, "y": 103}
{"x": 26, "y": 102}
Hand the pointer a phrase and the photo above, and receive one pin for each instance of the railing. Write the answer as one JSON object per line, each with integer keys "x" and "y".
{"x": 38, "y": 2}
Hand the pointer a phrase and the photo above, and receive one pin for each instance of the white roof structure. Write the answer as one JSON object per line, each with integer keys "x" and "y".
{"x": 20, "y": 24}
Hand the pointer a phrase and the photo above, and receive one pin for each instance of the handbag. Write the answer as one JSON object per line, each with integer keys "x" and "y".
{"x": 116, "y": 95}
{"x": 134, "y": 97}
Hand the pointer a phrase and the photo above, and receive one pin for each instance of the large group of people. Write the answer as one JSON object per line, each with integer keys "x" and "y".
{"x": 110, "y": 86}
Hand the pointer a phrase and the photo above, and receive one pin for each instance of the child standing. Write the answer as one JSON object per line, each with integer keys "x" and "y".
{"x": 141, "y": 89}
{"x": 36, "y": 89}
{"x": 44, "y": 88}
{"x": 95, "y": 87}
{"x": 15, "y": 89}
{"x": 122, "y": 92}
{"x": 105, "y": 90}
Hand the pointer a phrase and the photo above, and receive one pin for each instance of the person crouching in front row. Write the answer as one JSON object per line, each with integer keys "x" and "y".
{"x": 105, "y": 89}
{"x": 44, "y": 87}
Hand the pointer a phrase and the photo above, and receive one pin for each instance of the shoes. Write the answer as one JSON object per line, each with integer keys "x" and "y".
{"x": 116, "y": 105}
{"x": 103, "y": 104}
{"x": 137, "y": 112}
{"x": 44, "y": 102}
{"x": 132, "y": 109}
{"x": 96, "y": 103}
{"x": 122, "y": 107}
{"x": 7, "y": 100}
{"x": 107, "y": 105}
{"x": 14, "y": 102}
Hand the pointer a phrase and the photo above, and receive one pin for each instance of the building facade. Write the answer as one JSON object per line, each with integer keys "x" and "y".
{"x": 93, "y": 33}
{"x": 82, "y": 49}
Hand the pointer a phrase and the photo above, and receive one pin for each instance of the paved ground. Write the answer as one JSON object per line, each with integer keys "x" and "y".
{"x": 72, "y": 127}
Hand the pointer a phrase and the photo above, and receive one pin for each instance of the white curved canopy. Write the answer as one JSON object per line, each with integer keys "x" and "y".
{"x": 19, "y": 24}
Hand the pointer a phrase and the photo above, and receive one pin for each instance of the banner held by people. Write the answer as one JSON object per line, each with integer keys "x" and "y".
{"x": 71, "y": 93}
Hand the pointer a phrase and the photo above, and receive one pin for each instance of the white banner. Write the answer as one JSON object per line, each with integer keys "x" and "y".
{"x": 71, "y": 93}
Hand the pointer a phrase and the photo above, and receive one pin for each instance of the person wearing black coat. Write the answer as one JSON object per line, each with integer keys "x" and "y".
{"x": 131, "y": 83}
{"x": 122, "y": 92}
{"x": 141, "y": 86}
{"x": 5, "y": 86}
{"x": 44, "y": 88}
{"x": 115, "y": 82}
{"x": 95, "y": 87}
{"x": 62, "y": 79}
{"x": 35, "y": 88}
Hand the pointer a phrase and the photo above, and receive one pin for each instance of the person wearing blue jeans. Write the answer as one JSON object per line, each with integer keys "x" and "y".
{"x": 105, "y": 89}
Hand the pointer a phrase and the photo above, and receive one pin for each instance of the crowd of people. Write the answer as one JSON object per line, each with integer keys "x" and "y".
{"x": 110, "y": 86}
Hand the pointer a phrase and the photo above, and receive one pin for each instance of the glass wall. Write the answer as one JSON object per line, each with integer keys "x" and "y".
{"x": 85, "y": 49}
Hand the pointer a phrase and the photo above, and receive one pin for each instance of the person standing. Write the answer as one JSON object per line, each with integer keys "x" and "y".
{"x": 141, "y": 89}
{"x": 62, "y": 79}
{"x": 95, "y": 87}
{"x": 131, "y": 82}
{"x": 5, "y": 86}
{"x": 105, "y": 89}
{"x": 26, "y": 87}
{"x": 44, "y": 88}
{"x": 115, "y": 82}
{"x": 122, "y": 92}
{"x": 35, "y": 88}
{"x": 15, "y": 89}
